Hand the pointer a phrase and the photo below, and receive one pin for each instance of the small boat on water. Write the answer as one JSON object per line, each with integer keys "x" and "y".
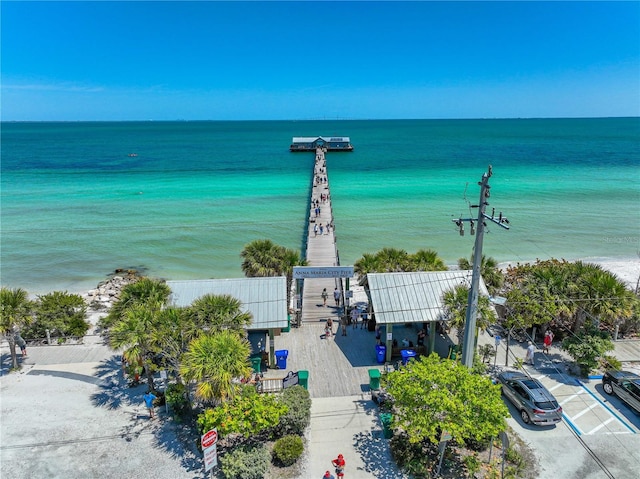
{"x": 132, "y": 154}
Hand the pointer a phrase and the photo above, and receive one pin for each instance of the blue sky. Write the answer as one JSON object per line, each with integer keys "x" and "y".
{"x": 311, "y": 60}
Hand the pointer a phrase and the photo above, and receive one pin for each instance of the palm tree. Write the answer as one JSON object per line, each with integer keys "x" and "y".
{"x": 15, "y": 312}
{"x": 492, "y": 276}
{"x": 290, "y": 258}
{"x": 427, "y": 260}
{"x": 174, "y": 330}
{"x": 214, "y": 362}
{"x": 264, "y": 258}
{"x": 215, "y": 313}
{"x": 609, "y": 299}
{"x": 135, "y": 332}
{"x": 260, "y": 258}
{"x": 152, "y": 292}
{"x": 367, "y": 264}
{"x": 393, "y": 260}
{"x": 456, "y": 301}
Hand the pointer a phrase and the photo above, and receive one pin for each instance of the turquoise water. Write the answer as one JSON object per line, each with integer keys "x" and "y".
{"x": 75, "y": 205}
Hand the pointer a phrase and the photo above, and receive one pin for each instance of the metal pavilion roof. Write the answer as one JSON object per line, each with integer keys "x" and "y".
{"x": 311, "y": 139}
{"x": 264, "y": 298}
{"x": 415, "y": 297}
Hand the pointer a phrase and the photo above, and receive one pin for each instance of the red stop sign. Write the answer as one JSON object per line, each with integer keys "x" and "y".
{"x": 209, "y": 438}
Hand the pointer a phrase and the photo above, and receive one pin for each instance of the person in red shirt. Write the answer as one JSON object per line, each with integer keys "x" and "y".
{"x": 548, "y": 339}
{"x": 339, "y": 464}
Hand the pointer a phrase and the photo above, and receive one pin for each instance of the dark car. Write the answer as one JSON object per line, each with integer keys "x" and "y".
{"x": 535, "y": 403}
{"x": 625, "y": 385}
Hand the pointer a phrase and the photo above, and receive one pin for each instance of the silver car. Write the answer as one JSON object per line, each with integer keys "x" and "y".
{"x": 531, "y": 398}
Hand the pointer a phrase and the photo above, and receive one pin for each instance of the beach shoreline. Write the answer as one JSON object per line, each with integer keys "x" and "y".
{"x": 627, "y": 269}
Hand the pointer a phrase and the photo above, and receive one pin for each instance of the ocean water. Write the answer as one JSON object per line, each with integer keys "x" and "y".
{"x": 75, "y": 205}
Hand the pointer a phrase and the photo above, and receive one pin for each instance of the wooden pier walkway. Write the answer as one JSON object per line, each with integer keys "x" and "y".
{"x": 338, "y": 365}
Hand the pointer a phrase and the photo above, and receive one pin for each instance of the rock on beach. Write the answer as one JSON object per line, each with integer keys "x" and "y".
{"x": 108, "y": 291}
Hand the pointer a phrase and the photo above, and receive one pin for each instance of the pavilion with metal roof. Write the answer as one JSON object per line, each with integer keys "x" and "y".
{"x": 264, "y": 298}
{"x": 311, "y": 143}
{"x": 413, "y": 297}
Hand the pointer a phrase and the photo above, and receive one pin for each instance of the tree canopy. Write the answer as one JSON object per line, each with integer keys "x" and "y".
{"x": 567, "y": 294}
{"x": 390, "y": 260}
{"x": 456, "y": 301}
{"x": 492, "y": 276}
{"x": 432, "y": 394}
{"x": 215, "y": 362}
{"x": 15, "y": 312}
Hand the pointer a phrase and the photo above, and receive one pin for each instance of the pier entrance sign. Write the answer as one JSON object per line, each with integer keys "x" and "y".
{"x": 302, "y": 272}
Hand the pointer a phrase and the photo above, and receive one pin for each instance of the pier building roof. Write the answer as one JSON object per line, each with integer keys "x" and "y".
{"x": 330, "y": 143}
{"x": 264, "y": 298}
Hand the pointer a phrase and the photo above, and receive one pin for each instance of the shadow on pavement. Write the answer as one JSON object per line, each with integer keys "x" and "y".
{"x": 176, "y": 438}
{"x": 373, "y": 448}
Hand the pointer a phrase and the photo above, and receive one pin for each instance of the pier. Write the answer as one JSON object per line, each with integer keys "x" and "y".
{"x": 338, "y": 365}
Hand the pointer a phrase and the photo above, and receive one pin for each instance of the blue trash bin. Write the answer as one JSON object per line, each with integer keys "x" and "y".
{"x": 406, "y": 355}
{"x": 381, "y": 353}
{"x": 281, "y": 358}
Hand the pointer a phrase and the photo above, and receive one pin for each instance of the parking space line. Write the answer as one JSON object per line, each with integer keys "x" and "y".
{"x": 586, "y": 410}
{"x": 575, "y": 428}
{"x": 623, "y": 422}
{"x": 600, "y": 426}
{"x": 572, "y": 397}
{"x": 556, "y": 386}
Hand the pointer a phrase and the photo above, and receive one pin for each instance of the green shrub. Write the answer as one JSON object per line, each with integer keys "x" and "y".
{"x": 472, "y": 463}
{"x": 610, "y": 362}
{"x": 245, "y": 462}
{"x": 176, "y": 396}
{"x": 298, "y": 416}
{"x": 60, "y": 312}
{"x": 247, "y": 413}
{"x": 413, "y": 458}
{"x": 587, "y": 347}
{"x": 287, "y": 450}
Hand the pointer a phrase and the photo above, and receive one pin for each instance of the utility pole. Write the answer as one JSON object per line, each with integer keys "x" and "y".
{"x": 468, "y": 344}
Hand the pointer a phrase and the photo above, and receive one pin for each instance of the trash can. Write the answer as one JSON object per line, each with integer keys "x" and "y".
{"x": 256, "y": 364}
{"x": 453, "y": 350}
{"x": 281, "y": 358}
{"x": 381, "y": 353}
{"x": 303, "y": 379}
{"x": 374, "y": 379}
{"x": 406, "y": 355}
{"x": 385, "y": 419}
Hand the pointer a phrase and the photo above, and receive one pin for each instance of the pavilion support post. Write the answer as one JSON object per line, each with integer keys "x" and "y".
{"x": 389, "y": 340}
{"x": 272, "y": 348}
{"x": 432, "y": 338}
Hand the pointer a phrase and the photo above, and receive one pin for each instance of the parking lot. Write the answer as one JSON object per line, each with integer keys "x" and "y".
{"x": 599, "y": 436}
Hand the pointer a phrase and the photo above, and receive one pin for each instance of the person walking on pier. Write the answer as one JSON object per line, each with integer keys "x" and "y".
{"x": 336, "y": 296}
{"x": 343, "y": 325}
{"x": 355, "y": 314}
{"x": 324, "y": 295}
{"x": 315, "y": 230}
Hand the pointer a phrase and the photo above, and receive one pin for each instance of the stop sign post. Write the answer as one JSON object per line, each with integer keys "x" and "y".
{"x": 208, "y": 441}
